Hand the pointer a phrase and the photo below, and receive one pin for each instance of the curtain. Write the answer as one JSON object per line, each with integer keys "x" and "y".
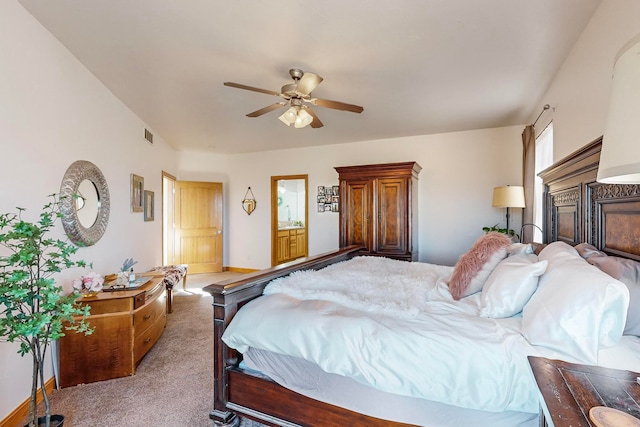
{"x": 528, "y": 180}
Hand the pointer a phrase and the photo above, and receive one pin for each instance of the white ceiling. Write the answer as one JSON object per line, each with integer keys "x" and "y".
{"x": 416, "y": 66}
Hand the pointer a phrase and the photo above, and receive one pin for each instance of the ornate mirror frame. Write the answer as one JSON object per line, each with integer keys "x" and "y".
{"x": 78, "y": 172}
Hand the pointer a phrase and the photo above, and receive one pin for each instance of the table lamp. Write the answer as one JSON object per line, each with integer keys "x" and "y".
{"x": 620, "y": 154}
{"x": 511, "y": 196}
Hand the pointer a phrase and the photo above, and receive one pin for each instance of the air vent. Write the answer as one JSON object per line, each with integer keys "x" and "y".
{"x": 148, "y": 136}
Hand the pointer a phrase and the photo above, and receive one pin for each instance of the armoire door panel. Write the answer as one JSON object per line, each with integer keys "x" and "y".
{"x": 392, "y": 215}
{"x": 358, "y": 196}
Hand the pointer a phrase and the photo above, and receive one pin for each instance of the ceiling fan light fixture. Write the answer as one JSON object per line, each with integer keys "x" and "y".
{"x": 289, "y": 116}
{"x": 295, "y": 95}
{"x": 303, "y": 119}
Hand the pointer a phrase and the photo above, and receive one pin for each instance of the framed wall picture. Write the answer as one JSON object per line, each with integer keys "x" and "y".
{"x": 148, "y": 205}
{"x": 328, "y": 198}
{"x": 137, "y": 193}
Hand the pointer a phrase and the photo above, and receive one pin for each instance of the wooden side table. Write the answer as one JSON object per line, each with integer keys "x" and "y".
{"x": 570, "y": 390}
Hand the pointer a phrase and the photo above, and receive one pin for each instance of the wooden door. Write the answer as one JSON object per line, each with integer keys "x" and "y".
{"x": 198, "y": 225}
{"x": 355, "y": 212}
{"x": 391, "y": 230}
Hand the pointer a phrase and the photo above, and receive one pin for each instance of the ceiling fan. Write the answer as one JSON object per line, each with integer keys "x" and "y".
{"x": 295, "y": 95}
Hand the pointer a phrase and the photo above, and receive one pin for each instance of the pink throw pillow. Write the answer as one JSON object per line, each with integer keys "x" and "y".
{"x": 474, "y": 267}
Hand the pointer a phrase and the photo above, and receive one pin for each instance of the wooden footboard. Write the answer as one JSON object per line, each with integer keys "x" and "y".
{"x": 262, "y": 399}
{"x": 228, "y": 298}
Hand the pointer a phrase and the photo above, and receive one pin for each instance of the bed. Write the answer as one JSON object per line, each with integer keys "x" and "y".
{"x": 283, "y": 371}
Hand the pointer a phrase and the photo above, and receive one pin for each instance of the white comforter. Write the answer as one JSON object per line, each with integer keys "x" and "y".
{"x": 394, "y": 326}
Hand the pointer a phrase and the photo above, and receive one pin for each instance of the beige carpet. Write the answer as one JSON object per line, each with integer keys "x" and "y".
{"x": 173, "y": 386}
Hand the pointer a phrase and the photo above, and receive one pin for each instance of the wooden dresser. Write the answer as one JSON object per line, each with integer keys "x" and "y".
{"x": 127, "y": 324}
{"x": 379, "y": 208}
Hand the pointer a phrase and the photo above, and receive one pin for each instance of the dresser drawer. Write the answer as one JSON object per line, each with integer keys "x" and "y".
{"x": 155, "y": 292}
{"x": 144, "y": 341}
{"x": 147, "y": 316}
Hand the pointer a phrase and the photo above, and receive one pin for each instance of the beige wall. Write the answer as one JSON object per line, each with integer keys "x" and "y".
{"x": 455, "y": 188}
{"x": 579, "y": 93}
{"x": 53, "y": 112}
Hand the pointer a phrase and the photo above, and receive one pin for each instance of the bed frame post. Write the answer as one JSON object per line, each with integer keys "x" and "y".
{"x": 224, "y": 308}
{"x": 221, "y": 416}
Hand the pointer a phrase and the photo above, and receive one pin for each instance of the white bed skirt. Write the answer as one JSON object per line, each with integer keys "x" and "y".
{"x": 308, "y": 379}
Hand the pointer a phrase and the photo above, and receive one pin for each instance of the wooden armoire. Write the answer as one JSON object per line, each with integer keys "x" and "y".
{"x": 379, "y": 208}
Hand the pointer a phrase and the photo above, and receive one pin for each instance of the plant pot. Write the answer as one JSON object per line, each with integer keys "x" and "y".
{"x": 54, "y": 421}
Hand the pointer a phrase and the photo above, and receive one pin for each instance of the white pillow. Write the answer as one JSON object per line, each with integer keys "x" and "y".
{"x": 577, "y": 308}
{"x": 510, "y": 286}
{"x": 558, "y": 250}
{"x": 520, "y": 248}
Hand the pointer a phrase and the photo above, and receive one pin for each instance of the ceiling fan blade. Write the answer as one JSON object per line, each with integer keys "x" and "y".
{"x": 255, "y": 89}
{"x": 265, "y": 110}
{"x": 308, "y": 83}
{"x": 336, "y": 105}
{"x": 316, "y": 123}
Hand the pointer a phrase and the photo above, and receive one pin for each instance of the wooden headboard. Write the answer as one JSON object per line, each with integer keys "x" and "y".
{"x": 578, "y": 209}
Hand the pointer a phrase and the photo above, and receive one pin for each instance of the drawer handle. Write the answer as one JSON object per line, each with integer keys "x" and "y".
{"x": 147, "y": 317}
{"x": 147, "y": 341}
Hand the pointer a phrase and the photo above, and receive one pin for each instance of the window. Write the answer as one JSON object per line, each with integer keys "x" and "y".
{"x": 544, "y": 159}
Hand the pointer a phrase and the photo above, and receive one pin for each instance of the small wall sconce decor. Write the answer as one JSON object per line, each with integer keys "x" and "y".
{"x": 249, "y": 202}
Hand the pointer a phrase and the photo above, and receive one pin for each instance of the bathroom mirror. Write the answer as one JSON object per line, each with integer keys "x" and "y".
{"x": 84, "y": 203}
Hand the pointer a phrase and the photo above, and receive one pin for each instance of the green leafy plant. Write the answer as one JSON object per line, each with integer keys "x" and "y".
{"x": 33, "y": 309}
{"x": 508, "y": 232}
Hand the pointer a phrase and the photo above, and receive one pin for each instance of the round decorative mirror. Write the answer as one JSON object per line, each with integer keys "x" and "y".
{"x": 84, "y": 203}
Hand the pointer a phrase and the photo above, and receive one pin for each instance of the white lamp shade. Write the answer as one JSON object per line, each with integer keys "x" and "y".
{"x": 511, "y": 196}
{"x": 620, "y": 154}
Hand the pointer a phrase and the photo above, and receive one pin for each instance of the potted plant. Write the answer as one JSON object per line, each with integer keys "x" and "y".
{"x": 33, "y": 309}
{"x": 508, "y": 232}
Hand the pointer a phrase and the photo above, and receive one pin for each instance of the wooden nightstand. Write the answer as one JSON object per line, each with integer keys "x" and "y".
{"x": 570, "y": 390}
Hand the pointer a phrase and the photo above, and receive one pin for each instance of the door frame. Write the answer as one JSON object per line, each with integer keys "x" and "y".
{"x": 168, "y": 217}
{"x": 274, "y": 213}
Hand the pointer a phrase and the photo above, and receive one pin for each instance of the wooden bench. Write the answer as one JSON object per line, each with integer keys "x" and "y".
{"x": 173, "y": 274}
